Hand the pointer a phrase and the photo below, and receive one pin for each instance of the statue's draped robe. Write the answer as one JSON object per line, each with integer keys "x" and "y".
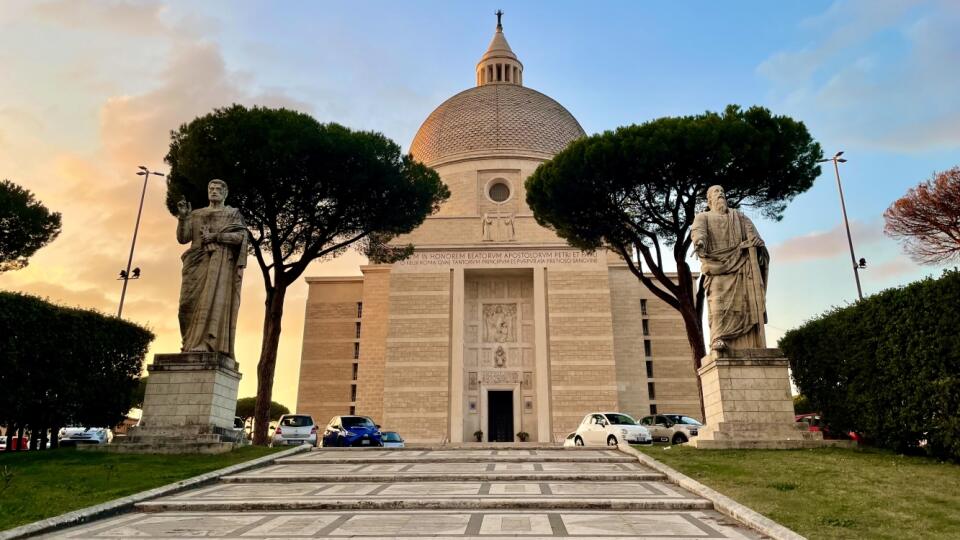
{"x": 735, "y": 264}
{"x": 212, "y": 275}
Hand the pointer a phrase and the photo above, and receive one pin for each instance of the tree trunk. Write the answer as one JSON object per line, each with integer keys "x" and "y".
{"x": 11, "y": 433}
{"x": 55, "y": 436}
{"x": 273, "y": 314}
{"x": 20, "y": 438}
{"x": 44, "y": 438}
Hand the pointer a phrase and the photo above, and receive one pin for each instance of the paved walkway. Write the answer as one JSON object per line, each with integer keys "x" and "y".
{"x": 540, "y": 492}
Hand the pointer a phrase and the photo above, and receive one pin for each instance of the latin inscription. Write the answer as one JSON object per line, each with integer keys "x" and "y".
{"x": 497, "y": 258}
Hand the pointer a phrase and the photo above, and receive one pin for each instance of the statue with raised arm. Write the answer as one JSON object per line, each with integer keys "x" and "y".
{"x": 212, "y": 272}
{"x": 735, "y": 263}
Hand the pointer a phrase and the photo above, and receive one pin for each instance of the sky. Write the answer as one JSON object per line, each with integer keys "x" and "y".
{"x": 90, "y": 90}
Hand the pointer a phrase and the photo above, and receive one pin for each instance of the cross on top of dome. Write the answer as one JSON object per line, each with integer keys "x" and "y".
{"x": 499, "y": 65}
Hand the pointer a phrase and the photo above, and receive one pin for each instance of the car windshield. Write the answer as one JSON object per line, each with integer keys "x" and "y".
{"x": 356, "y": 421}
{"x": 296, "y": 420}
{"x": 680, "y": 419}
{"x": 391, "y": 437}
{"x": 620, "y": 419}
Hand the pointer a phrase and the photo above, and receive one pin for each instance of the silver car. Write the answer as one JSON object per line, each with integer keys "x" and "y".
{"x": 672, "y": 428}
{"x": 295, "y": 429}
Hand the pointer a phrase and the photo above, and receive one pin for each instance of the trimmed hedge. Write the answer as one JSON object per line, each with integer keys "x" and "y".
{"x": 887, "y": 367}
{"x": 61, "y": 366}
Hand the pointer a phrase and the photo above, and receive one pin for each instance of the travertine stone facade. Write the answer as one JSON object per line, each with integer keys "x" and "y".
{"x": 495, "y": 324}
{"x": 330, "y": 344}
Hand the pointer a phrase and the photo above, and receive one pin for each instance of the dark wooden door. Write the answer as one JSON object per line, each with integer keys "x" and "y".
{"x": 500, "y": 415}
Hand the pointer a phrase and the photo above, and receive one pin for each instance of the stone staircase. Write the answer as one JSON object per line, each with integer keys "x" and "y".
{"x": 535, "y": 491}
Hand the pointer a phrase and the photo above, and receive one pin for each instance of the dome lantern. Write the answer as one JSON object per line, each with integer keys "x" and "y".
{"x": 499, "y": 65}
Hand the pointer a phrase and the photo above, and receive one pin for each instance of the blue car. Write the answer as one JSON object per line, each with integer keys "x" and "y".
{"x": 359, "y": 431}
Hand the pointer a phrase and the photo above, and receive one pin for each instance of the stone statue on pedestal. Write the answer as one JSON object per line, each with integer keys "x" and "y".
{"x": 735, "y": 264}
{"x": 212, "y": 272}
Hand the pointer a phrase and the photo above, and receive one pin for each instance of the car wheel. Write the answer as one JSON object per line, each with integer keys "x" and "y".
{"x": 611, "y": 441}
{"x": 679, "y": 438}
{"x": 578, "y": 441}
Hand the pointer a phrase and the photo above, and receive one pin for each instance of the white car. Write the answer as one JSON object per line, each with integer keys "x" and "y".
{"x": 295, "y": 429}
{"x": 70, "y": 436}
{"x": 610, "y": 428}
{"x": 392, "y": 439}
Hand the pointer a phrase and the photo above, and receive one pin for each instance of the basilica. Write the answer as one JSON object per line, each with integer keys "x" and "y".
{"x": 494, "y": 329}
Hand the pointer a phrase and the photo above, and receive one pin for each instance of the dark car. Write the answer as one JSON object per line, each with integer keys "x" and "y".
{"x": 356, "y": 431}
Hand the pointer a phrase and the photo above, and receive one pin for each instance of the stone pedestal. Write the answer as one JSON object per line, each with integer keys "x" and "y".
{"x": 748, "y": 404}
{"x": 189, "y": 406}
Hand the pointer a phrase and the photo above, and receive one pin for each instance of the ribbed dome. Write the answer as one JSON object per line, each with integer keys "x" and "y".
{"x": 495, "y": 120}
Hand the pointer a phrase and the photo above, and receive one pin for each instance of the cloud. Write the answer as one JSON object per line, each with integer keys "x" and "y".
{"x": 827, "y": 244}
{"x": 880, "y": 74}
{"x": 893, "y": 268}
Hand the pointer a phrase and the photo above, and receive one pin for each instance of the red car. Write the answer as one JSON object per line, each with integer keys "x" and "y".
{"x": 815, "y": 423}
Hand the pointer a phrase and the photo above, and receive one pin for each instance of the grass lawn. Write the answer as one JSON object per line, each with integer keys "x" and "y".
{"x": 832, "y": 492}
{"x": 49, "y": 483}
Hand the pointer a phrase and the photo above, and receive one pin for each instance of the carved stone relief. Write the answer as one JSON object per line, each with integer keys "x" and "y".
{"x": 500, "y": 377}
{"x": 472, "y": 380}
{"x": 527, "y": 380}
{"x": 500, "y": 357}
{"x": 500, "y": 323}
{"x": 497, "y": 227}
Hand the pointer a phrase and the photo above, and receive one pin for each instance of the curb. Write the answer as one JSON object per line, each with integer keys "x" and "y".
{"x": 116, "y": 506}
{"x": 722, "y": 503}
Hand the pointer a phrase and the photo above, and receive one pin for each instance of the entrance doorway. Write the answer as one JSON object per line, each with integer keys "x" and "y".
{"x": 500, "y": 416}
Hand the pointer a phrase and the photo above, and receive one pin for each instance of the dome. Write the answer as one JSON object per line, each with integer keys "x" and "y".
{"x": 498, "y": 119}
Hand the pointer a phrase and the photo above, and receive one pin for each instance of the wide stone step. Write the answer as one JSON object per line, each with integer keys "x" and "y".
{"x": 431, "y": 495}
{"x": 462, "y": 471}
{"x": 411, "y": 524}
{"x": 486, "y": 456}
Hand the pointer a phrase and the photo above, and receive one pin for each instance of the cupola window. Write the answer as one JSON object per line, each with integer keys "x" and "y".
{"x": 499, "y": 192}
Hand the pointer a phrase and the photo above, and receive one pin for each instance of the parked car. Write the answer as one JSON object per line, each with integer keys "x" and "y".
{"x": 392, "y": 439}
{"x": 570, "y": 440}
{"x": 72, "y": 436}
{"x": 672, "y": 428}
{"x": 295, "y": 429}
{"x": 610, "y": 428}
{"x": 352, "y": 431}
{"x": 815, "y": 423}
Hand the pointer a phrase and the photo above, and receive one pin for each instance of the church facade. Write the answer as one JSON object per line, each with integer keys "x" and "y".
{"x": 495, "y": 326}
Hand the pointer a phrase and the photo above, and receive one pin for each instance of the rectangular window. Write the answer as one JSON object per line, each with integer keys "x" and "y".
{"x": 649, "y": 369}
{"x": 650, "y": 390}
{"x": 647, "y": 348}
{"x": 353, "y": 410}
{"x": 353, "y": 392}
{"x": 359, "y": 309}
{"x": 358, "y": 330}
{"x": 643, "y": 307}
{"x": 356, "y": 369}
{"x": 653, "y": 409}
{"x": 646, "y": 327}
{"x": 356, "y": 351}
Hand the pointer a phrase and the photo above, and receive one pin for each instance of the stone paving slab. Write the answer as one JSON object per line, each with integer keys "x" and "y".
{"x": 436, "y": 524}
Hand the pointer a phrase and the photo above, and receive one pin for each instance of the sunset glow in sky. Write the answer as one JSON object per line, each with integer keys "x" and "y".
{"x": 90, "y": 90}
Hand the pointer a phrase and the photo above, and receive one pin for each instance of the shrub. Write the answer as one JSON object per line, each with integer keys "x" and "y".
{"x": 63, "y": 366}
{"x": 887, "y": 367}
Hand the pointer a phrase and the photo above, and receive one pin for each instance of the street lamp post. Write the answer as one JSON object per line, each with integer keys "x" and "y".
{"x": 125, "y": 275}
{"x": 836, "y": 159}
